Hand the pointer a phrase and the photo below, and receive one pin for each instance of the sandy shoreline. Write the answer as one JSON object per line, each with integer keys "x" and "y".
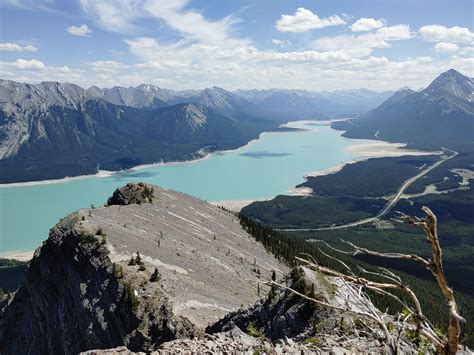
{"x": 108, "y": 173}
{"x": 363, "y": 151}
{"x": 377, "y": 149}
{"x": 23, "y": 256}
{"x": 382, "y": 149}
{"x": 234, "y": 205}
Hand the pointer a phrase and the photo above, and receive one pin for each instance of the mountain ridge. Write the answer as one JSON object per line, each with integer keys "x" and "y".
{"x": 440, "y": 115}
{"x": 158, "y": 270}
{"x": 53, "y": 130}
{"x": 82, "y": 292}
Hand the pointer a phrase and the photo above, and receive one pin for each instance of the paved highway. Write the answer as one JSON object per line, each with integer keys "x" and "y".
{"x": 388, "y": 206}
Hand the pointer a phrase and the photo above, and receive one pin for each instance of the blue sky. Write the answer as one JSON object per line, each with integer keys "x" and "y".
{"x": 314, "y": 45}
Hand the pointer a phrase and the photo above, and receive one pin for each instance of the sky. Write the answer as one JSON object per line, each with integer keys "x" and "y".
{"x": 238, "y": 44}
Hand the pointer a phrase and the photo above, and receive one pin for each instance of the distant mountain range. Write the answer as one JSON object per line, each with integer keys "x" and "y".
{"x": 151, "y": 97}
{"x": 441, "y": 115}
{"x": 247, "y": 105}
{"x": 52, "y": 130}
{"x": 282, "y": 105}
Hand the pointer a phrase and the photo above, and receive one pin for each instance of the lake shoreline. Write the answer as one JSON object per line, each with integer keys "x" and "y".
{"x": 18, "y": 256}
{"x": 107, "y": 173}
{"x": 362, "y": 151}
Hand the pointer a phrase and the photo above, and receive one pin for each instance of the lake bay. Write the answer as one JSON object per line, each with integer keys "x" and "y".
{"x": 262, "y": 169}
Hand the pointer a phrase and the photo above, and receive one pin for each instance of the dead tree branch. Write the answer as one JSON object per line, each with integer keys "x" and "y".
{"x": 356, "y": 284}
{"x": 430, "y": 227}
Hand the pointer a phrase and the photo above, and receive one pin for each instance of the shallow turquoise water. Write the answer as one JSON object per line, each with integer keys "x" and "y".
{"x": 265, "y": 168}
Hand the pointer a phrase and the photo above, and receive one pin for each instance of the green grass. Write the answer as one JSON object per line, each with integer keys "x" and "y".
{"x": 253, "y": 331}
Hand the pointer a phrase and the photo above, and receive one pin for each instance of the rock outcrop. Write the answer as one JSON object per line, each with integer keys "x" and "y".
{"x": 163, "y": 267}
{"x": 131, "y": 193}
{"x": 282, "y": 314}
{"x": 284, "y": 323}
{"x": 167, "y": 273}
{"x": 288, "y": 323}
{"x": 75, "y": 299}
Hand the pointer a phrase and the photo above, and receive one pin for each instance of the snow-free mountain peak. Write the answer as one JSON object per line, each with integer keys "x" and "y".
{"x": 452, "y": 83}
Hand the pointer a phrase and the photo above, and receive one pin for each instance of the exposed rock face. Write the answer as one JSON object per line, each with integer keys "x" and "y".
{"x": 208, "y": 264}
{"x": 282, "y": 314}
{"x": 288, "y": 323}
{"x": 73, "y": 300}
{"x": 192, "y": 264}
{"x": 175, "y": 275}
{"x": 131, "y": 193}
{"x": 441, "y": 115}
{"x": 284, "y": 323}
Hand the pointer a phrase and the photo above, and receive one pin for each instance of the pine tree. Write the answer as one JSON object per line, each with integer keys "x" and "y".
{"x": 155, "y": 276}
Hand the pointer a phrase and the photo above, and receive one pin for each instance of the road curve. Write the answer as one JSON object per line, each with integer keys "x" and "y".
{"x": 388, "y": 206}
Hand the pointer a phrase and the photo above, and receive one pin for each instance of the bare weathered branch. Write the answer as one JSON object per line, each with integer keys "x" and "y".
{"x": 359, "y": 250}
{"x": 430, "y": 227}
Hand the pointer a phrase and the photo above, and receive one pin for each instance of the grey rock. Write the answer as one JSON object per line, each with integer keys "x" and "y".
{"x": 131, "y": 193}
{"x": 81, "y": 293}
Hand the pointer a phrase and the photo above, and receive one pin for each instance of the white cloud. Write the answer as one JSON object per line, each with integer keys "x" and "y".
{"x": 443, "y": 47}
{"x": 116, "y": 16}
{"x": 107, "y": 66}
{"x": 208, "y": 52}
{"x": 438, "y": 33}
{"x": 190, "y": 23}
{"x": 362, "y": 45}
{"x": 33, "y": 71}
{"x": 82, "y": 30}
{"x": 121, "y": 17}
{"x": 44, "y": 5}
{"x": 13, "y": 47}
{"x": 23, "y": 64}
{"x": 309, "y": 70}
{"x": 304, "y": 20}
{"x": 281, "y": 43}
{"x": 278, "y": 42}
{"x": 468, "y": 51}
{"x": 367, "y": 24}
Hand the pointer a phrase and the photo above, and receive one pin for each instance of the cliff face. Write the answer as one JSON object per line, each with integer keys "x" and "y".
{"x": 73, "y": 300}
{"x": 160, "y": 271}
{"x": 284, "y": 323}
{"x": 192, "y": 264}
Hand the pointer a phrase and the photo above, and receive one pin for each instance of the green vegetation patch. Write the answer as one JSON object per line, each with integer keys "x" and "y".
{"x": 253, "y": 331}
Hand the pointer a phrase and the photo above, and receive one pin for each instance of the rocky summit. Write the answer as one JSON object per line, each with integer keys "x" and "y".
{"x": 154, "y": 266}
{"x": 158, "y": 271}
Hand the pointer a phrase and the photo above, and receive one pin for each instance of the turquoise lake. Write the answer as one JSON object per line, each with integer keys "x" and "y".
{"x": 269, "y": 166}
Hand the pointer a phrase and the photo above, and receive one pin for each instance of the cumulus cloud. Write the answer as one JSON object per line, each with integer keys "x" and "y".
{"x": 13, "y": 47}
{"x": 81, "y": 30}
{"x": 468, "y": 51}
{"x": 281, "y": 43}
{"x": 32, "y": 64}
{"x": 443, "y": 47}
{"x": 438, "y": 33}
{"x": 367, "y": 24}
{"x": 362, "y": 45}
{"x": 33, "y": 71}
{"x": 208, "y": 52}
{"x": 304, "y": 20}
